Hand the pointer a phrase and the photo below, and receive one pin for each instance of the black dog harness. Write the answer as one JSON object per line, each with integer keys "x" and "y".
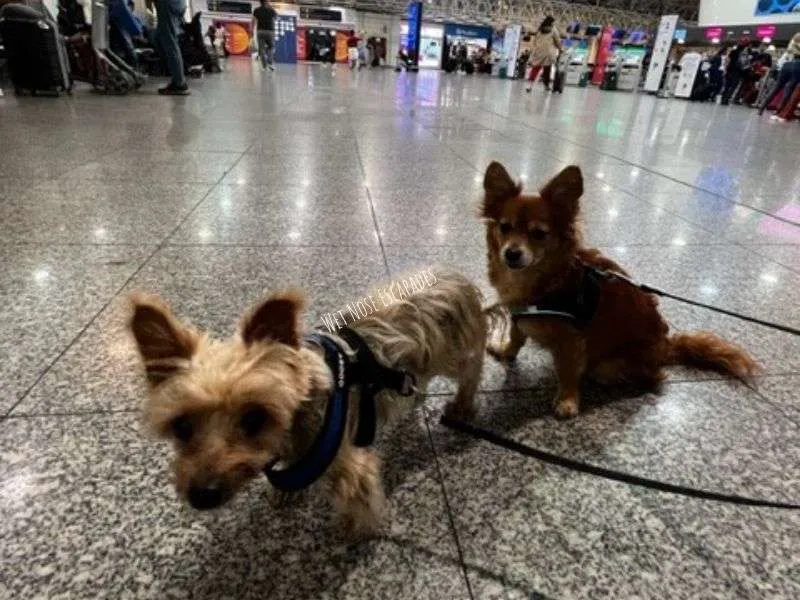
{"x": 362, "y": 369}
{"x": 575, "y": 305}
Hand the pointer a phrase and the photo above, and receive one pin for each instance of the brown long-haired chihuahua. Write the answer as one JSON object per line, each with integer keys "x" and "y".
{"x": 535, "y": 251}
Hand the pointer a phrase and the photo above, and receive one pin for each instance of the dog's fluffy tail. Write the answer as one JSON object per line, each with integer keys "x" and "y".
{"x": 706, "y": 350}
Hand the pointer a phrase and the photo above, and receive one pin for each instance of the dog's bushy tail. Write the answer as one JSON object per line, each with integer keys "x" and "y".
{"x": 708, "y": 351}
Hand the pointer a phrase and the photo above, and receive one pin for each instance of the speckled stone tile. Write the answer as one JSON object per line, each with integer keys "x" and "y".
{"x": 210, "y": 287}
{"x": 263, "y": 216}
{"x": 756, "y": 548}
{"x": 782, "y": 392}
{"x": 98, "y": 212}
{"x": 335, "y": 174}
{"x": 121, "y": 532}
{"x": 727, "y": 220}
{"x": 563, "y": 535}
{"x": 727, "y": 276}
{"x": 159, "y": 166}
{"x": 777, "y": 352}
{"x": 710, "y": 435}
{"x": 49, "y": 293}
{"x": 428, "y": 218}
{"x": 786, "y": 255}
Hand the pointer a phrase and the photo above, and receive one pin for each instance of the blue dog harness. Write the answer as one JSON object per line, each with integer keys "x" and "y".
{"x": 362, "y": 369}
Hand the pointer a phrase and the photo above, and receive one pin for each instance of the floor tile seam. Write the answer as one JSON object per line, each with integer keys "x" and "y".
{"x": 633, "y": 164}
{"x": 753, "y": 249}
{"x": 111, "y": 299}
{"x": 364, "y": 182}
{"x": 71, "y": 414}
{"x": 639, "y": 197}
{"x": 176, "y": 244}
{"x": 789, "y": 414}
{"x": 448, "y": 510}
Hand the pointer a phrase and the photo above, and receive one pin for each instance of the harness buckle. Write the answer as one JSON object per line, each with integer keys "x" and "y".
{"x": 409, "y": 387}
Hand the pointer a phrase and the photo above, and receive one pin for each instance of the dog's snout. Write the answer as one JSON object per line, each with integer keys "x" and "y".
{"x": 513, "y": 255}
{"x": 205, "y": 497}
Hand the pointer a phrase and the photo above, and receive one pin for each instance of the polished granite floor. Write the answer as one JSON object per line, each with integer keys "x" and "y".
{"x": 335, "y": 181}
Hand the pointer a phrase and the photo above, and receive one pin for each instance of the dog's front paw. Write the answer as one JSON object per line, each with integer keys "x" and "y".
{"x": 460, "y": 410}
{"x": 501, "y": 352}
{"x": 355, "y": 527}
{"x": 566, "y": 408}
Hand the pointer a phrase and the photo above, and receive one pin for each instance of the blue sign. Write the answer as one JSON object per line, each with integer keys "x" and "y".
{"x": 286, "y": 39}
{"x": 414, "y": 31}
{"x": 777, "y": 7}
{"x": 468, "y": 31}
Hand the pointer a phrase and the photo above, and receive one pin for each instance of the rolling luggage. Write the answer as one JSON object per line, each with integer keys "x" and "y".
{"x": 37, "y": 59}
{"x": 558, "y": 81}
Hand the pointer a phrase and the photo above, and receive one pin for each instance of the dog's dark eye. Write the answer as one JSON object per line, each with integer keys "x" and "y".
{"x": 182, "y": 428}
{"x": 253, "y": 420}
{"x": 505, "y": 228}
{"x": 538, "y": 234}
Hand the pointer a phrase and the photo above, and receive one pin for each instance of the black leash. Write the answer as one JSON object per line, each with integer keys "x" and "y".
{"x": 580, "y": 309}
{"x": 646, "y": 288}
{"x": 581, "y": 467}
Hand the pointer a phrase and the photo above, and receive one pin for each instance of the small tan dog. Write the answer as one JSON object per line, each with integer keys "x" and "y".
{"x": 235, "y": 407}
{"x": 537, "y": 258}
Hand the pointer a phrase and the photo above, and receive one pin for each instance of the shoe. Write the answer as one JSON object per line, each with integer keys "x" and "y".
{"x": 528, "y": 89}
{"x": 174, "y": 90}
{"x": 272, "y": 67}
{"x": 725, "y": 102}
{"x": 774, "y": 118}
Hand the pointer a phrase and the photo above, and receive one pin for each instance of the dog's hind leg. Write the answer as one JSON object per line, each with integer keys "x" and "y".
{"x": 468, "y": 377}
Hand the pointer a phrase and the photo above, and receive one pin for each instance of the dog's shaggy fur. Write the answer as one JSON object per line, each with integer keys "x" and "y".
{"x": 232, "y": 407}
{"x": 535, "y": 248}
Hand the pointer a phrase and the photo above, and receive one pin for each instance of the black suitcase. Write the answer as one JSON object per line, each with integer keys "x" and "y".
{"x": 558, "y": 81}
{"x": 37, "y": 59}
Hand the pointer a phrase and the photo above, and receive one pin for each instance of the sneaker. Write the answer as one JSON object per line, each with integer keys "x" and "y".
{"x": 528, "y": 89}
{"x": 174, "y": 90}
{"x": 272, "y": 67}
{"x": 774, "y": 118}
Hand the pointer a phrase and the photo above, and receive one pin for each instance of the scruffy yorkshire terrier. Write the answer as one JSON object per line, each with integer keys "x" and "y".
{"x": 234, "y": 407}
{"x": 536, "y": 256}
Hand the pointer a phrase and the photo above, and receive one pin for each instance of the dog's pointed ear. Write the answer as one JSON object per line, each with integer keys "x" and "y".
{"x": 563, "y": 192}
{"x": 498, "y": 187}
{"x": 276, "y": 318}
{"x": 165, "y": 344}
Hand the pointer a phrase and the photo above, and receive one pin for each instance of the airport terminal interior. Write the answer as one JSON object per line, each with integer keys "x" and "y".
{"x": 335, "y": 181}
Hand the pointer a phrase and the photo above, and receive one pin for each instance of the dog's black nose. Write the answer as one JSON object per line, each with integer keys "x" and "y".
{"x": 205, "y": 498}
{"x": 513, "y": 255}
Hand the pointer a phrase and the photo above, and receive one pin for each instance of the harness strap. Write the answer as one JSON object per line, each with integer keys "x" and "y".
{"x": 373, "y": 376}
{"x": 320, "y": 456}
{"x": 577, "y": 307}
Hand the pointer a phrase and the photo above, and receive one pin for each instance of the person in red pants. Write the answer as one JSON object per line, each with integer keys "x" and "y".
{"x": 788, "y": 108}
{"x": 546, "y": 47}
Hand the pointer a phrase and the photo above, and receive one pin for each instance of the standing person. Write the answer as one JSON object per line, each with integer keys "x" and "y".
{"x": 546, "y": 47}
{"x": 352, "y": 49}
{"x": 787, "y": 78}
{"x": 264, "y": 26}
{"x": 169, "y": 19}
{"x": 738, "y": 64}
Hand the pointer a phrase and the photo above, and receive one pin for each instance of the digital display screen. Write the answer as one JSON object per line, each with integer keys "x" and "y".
{"x": 777, "y": 7}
